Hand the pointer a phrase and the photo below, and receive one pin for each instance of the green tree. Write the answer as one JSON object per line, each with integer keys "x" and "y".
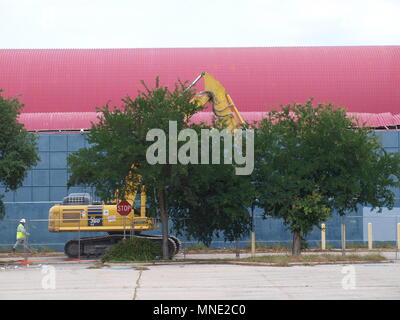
{"x": 119, "y": 140}
{"x": 18, "y": 150}
{"x": 211, "y": 200}
{"x": 311, "y": 160}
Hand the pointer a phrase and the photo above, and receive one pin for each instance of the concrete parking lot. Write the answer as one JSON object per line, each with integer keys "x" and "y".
{"x": 60, "y": 279}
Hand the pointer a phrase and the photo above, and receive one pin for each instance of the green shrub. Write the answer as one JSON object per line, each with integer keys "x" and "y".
{"x": 135, "y": 249}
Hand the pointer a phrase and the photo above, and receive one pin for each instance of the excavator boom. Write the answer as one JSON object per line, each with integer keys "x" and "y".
{"x": 222, "y": 104}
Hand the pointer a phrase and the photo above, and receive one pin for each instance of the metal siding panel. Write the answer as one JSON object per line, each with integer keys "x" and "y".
{"x": 58, "y": 178}
{"x": 58, "y": 160}
{"x": 57, "y": 193}
{"x": 40, "y": 178}
{"x": 392, "y": 150}
{"x": 76, "y": 190}
{"x": 23, "y": 194}
{"x": 41, "y": 194}
{"x": 28, "y": 179}
{"x": 390, "y": 139}
{"x": 44, "y": 162}
{"x": 43, "y": 142}
{"x": 8, "y": 196}
{"x": 75, "y": 142}
{"x": 58, "y": 142}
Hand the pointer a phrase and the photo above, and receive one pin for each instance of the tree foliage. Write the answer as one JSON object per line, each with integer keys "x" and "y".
{"x": 18, "y": 150}
{"x": 311, "y": 160}
{"x": 211, "y": 200}
{"x": 116, "y": 158}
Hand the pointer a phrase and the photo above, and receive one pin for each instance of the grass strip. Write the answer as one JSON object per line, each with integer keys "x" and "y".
{"x": 315, "y": 258}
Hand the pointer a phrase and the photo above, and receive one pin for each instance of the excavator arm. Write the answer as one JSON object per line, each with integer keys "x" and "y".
{"x": 221, "y": 102}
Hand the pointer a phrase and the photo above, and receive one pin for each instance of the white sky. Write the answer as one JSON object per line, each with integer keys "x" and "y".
{"x": 205, "y": 23}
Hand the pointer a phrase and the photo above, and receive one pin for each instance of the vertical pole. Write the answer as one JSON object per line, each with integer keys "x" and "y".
{"x": 343, "y": 227}
{"x": 79, "y": 238}
{"x": 323, "y": 236}
{"x": 143, "y": 200}
{"x": 253, "y": 244}
{"x": 124, "y": 227}
{"x": 237, "y": 249}
{"x": 253, "y": 235}
{"x": 26, "y": 243}
{"x": 132, "y": 231}
{"x": 184, "y": 239}
{"x": 398, "y": 235}
{"x": 369, "y": 235}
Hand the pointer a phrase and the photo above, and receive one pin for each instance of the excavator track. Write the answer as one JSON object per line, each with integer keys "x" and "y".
{"x": 96, "y": 246}
{"x": 178, "y": 243}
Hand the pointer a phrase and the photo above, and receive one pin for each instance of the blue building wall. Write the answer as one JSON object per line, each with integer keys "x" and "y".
{"x": 46, "y": 184}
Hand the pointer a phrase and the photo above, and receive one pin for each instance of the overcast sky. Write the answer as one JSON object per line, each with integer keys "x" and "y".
{"x": 205, "y": 23}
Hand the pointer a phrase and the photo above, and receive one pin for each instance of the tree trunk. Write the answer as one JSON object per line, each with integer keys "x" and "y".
{"x": 296, "y": 248}
{"x": 164, "y": 223}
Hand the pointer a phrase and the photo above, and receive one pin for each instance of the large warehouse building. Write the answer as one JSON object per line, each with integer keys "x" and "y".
{"x": 62, "y": 88}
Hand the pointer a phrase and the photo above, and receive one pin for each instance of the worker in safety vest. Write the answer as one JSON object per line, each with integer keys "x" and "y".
{"x": 21, "y": 236}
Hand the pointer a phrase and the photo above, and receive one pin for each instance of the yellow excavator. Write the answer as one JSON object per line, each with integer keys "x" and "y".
{"x": 79, "y": 213}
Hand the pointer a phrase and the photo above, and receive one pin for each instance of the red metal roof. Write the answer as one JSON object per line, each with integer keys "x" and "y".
{"x": 58, "y": 120}
{"x": 376, "y": 119}
{"x": 73, "y": 121}
{"x": 361, "y": 79}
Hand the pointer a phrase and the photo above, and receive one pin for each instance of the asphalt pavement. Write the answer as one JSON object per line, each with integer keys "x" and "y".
{"x": 57, "y": 278}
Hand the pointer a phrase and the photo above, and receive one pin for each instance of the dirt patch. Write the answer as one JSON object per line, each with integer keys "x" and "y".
{"x": 7, "y": 262}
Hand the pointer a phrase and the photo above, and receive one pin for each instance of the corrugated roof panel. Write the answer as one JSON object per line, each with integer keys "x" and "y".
{"x": 362, "y": 79}
{"x": 58, "y": 121}
{"x": 65, "y": 121}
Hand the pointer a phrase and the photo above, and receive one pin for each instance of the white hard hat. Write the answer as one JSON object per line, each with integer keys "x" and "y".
{"x": 22, "y": 221}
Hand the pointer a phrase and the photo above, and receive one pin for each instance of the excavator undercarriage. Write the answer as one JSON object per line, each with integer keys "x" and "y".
{"x": 94, "y": 247}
